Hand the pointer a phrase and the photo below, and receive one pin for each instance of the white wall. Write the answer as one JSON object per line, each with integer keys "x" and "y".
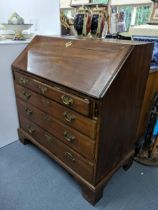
{"x": 8, "y": 112}
{"x": 45, "y": 13}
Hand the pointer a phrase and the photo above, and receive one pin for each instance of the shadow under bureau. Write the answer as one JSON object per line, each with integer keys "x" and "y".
{"x": 79, "y": 101}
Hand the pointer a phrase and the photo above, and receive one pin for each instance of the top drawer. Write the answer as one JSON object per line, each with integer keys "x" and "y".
{"x": 74, "y": 102}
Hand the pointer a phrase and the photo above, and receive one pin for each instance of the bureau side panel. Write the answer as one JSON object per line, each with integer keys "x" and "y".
{"x": 120, "y": 111}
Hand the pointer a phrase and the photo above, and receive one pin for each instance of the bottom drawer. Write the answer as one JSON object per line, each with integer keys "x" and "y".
{"x": 69, "y": 157}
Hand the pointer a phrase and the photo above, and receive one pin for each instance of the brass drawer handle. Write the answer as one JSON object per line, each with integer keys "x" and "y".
{"x": 31, "y": 130}
{"x": 46, "y": 102}
{"x": 26, "y": 95}
{"x": 68, "y": 136}
{"x": 69, "y": 156}
{"x": 46, "y": 117}
{"x": 48, "y": 137}
{"x": 28, "y": 111}
{"x": 69, "y": 117}
{"x": 43, "y": 89}
{"x": 23, "y": 81}
{"x": 67, "y": 100}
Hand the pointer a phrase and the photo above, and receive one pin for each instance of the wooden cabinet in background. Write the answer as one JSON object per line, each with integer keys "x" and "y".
{"x": 151, "y": 90}
{"x": 79, "y": 101}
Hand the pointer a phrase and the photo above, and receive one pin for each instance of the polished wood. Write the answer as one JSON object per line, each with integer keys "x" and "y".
{"x": 107, "y": 79}
{"x": 79, "y": 104}
{"x": 79, "y": 142}
{"x": 61, "y": 64}
{"x": 63, "y": 152}
{"x": 93, "y": 196}
{"x": 122, "y": 121}
{"x": 86, "y": 125}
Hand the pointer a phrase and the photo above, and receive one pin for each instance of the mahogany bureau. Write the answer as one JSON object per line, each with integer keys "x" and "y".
{"x": 79, "y": 101}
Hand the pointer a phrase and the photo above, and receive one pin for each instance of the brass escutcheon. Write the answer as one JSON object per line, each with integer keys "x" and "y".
{"x": 46, "y": 117}
{"x": 46, "y": 102}
{"x": 68, "y": 44}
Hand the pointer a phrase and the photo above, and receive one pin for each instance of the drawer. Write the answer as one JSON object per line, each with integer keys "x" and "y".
{"x": 81, "y": 123}
{"x": 76, "y": 103}
{"x": 69, "y": 136}
{"x": 69, "y": 157}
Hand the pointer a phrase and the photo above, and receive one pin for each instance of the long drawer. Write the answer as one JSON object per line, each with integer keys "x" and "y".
{"x": 69, "y": 136}
{"x": 69, "y": 157}
{"x": 74, "y": 102}
{"x": 81, "y": 123}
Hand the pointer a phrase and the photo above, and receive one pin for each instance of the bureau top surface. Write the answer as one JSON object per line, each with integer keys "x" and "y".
{"x": 87, "y": 66}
